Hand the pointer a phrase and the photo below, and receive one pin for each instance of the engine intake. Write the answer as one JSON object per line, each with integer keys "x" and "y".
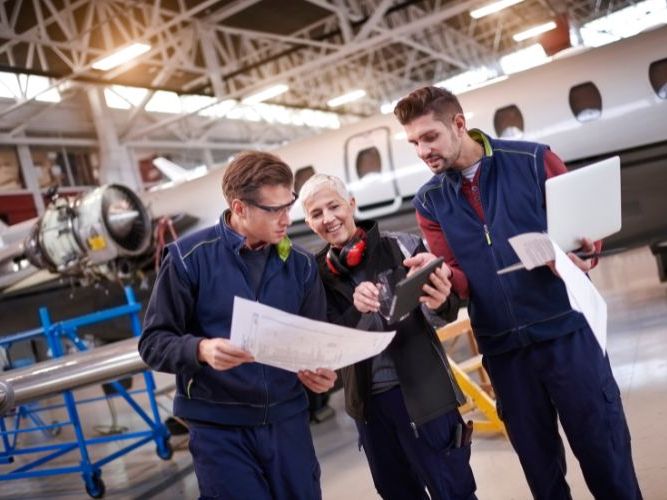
{"x": 89, "y": 230}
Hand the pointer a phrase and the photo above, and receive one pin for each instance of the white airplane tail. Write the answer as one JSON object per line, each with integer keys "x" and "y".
{"x": 175, "y": 172}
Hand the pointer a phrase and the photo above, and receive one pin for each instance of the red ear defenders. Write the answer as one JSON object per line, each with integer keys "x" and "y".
{"x": 351, "y": 255}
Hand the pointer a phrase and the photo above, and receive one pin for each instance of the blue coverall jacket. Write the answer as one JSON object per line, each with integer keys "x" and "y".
{"x": 193, "y": 299}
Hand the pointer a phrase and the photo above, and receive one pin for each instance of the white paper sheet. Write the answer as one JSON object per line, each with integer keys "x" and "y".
{"x": 583, "y": 295}
{"x": 533, "y": 249}
{"x": 288, "y": 341}
{"x": 536, "y": 249}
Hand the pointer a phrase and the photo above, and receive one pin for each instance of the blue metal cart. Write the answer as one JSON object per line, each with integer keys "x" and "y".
{"x": 26, "y": 419}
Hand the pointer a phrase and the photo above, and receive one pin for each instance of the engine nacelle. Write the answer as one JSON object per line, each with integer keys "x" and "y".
{"x": 77, "y": 234}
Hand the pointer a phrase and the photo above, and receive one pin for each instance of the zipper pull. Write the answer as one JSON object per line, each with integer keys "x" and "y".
{"x": 414, "y": 429}
{"x": 487, "y": 234}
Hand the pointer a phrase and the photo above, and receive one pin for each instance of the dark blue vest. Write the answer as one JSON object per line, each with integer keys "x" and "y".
{"x": 515, "y": 309}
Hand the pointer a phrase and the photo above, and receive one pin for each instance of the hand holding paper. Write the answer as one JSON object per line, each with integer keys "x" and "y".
{"x": 537, "y": 249}
{"x": 318, "y": 381}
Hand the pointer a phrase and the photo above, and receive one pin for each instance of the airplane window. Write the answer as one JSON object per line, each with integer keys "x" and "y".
{"x": 508, "y": 122}
{"x": 368, "y": 161}
{"x": 586, "y": 102}
{"x": 301, "y": 176}
{"x": 657, "y": 73}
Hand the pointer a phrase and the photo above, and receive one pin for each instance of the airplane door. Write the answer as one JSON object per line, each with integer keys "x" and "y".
{"x": 370, "y": 174}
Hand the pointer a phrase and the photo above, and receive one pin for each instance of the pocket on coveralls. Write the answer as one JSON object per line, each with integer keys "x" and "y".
{"x": 455, "y": 460}
{"x": 618, "y": 427}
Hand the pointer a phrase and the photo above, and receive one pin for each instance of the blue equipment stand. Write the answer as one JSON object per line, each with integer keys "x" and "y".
{"x": 90, "y": 471}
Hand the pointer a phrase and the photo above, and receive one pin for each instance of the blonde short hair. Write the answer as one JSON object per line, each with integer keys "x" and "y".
{"x": 319, "y": 181}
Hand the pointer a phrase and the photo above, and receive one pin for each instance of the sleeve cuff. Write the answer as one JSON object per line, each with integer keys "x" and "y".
{"x": 449, "y": 309}
{"x": 191, "y": 349}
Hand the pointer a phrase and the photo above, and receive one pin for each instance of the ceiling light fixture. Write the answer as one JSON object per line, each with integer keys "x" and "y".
{"x": 121, "y": 56}
{"x": 493, "y": 8}
{"x": 345, "y": 98}
{"x": 534, "y": 31}
{"x": 266, "y": 94}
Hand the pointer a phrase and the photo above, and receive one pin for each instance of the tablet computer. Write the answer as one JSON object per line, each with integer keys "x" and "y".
{"x": 408, "y": 291}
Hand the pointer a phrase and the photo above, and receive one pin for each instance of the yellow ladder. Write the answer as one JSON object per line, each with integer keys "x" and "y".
{"x": 477, "y": 397}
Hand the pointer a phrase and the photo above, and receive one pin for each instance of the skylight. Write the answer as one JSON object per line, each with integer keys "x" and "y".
{"x": 21, "y": 86}
{"x": 523, "y": 59}
{"x": 121, "y": 97}
{"x": 467, "y": 80}
{"x": 624, "y": 23}
{"x": 388, "y": 107}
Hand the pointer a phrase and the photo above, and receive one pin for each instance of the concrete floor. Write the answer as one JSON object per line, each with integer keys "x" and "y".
{"x": 638, "y": 351}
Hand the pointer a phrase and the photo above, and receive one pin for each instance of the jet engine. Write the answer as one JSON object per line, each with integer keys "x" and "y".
{"x": 80, "y": 235}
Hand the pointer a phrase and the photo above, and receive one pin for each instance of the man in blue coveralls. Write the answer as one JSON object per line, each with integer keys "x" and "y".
{"x": 248, "y": 422}
{"x": 541, "y": 355}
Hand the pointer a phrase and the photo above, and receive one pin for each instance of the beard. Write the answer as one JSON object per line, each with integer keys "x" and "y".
{"x": 438, "y": 164}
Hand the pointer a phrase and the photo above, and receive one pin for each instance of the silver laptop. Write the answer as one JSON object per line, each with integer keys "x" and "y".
{"x": 584, "y": 203}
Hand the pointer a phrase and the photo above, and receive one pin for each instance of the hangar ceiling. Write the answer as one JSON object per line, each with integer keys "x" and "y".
{"x": 230, "y": 49}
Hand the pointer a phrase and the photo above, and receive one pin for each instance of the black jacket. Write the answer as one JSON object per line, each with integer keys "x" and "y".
{"x": 427, "y": 383}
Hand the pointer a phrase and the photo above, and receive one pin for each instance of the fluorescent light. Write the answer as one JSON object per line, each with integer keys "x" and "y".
{"x": 534, "y": 31}
{"x": 121, "y": 56}
{"x": 493, "y": 7}
{"x": 523, "y": 59}
{"x": 345, "y": 98}
{"x": 265, "y": 94}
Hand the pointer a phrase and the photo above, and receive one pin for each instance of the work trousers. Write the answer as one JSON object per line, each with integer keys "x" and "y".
{"x": 405, "y": 461}
{"x": 268, "y": 462}
{"x": 567, "y": 378}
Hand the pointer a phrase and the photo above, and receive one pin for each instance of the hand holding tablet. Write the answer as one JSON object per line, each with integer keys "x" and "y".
{"x": 397, "y": 301}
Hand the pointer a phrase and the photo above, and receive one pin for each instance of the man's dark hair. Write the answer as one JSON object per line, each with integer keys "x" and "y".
{"x": 251, "y": 170}
{"x": 441, "y": 102}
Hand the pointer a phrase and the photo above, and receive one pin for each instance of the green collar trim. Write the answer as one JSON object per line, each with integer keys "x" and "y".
{"x": 479, "y": 136}
{"x": 284, "y": 248}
